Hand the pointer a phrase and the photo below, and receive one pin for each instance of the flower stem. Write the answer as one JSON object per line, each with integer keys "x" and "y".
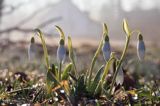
{"x": 60, "y": 69}
{"x": 119, "y": 65}
{"x": 40, "y": 34}
{"x": 90, "y": 71}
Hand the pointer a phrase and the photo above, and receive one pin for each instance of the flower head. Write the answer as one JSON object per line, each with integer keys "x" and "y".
{"x": 106, "y": 49}
{"x": 32, "y": 49}
{"x": 61, "y": 51}
{"x": 140, "y": 48}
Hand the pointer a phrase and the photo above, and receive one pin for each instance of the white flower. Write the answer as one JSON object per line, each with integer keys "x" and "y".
{"x": 140, "y": 48}
{"x": 32, "y": 50}
{"x": 106, "y": 49}
{"x": 61, "y": 52}
{"x": 120, "y": 77}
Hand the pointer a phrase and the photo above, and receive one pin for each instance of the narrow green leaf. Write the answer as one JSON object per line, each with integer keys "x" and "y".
{"x": 40, "y": 34}
{"x": 54, "y": 70}
{"x": 126, "y": 27}
{"x": 90, "y": 71}
{"x": 98, "y": 88}
{"x": 94, "y": 61}
{"x": 51, "y": 77}
{"x": 98, "y": 75}
{"x": 80, "y": 87}
{"x": 71, "y": 55}
{"x": 60, "y": 32}
{"x": 66, "y": 71}
{"x": 107, "y": 66}
{"x": 106, "y": 70}
{"x": 51, "y": 80}
{"x": 97, "y": 78}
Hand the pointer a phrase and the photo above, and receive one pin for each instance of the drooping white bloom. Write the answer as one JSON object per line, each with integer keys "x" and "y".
{"x": 106, "y": 49}
{"x": 32, "y": 50}
{"x": 140, "y": 48}
{"x": 120, "y": 77}
{"x": 61, "y": 52}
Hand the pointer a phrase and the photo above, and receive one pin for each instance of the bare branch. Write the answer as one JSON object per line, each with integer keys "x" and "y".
{"x": 18, "y": 27}
{"x": 33, "y": 15}
{"x": 23, "y": 30}
{"x": 28, "y": 30}
{"x": 42, "y": 25}
{"x": 13, "y": 8}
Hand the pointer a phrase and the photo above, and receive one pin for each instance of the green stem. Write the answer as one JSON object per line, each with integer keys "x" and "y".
{"x": 40, "y": 34}
{"x": 119, "y": 65}
{"x": 75, "y": 69}
{"x": 106, "y": 70}
{"x": 60, "y": 69}
{"x": 90, "y": 71}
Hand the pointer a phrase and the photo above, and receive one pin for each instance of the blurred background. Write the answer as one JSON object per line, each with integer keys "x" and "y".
{"x": 79, "y": 18}
{"x": 82, "y": 19}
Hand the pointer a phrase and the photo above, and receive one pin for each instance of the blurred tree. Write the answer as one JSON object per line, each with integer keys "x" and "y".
{"x": 18, "y": 27}
{"x": 1, "y": 6}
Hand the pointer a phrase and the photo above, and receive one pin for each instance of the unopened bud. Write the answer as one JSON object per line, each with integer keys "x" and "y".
{"x": 61, "y": 42}
{"x": 140, "y": 48}
{"x": 106, "y": 49}
{"x": 61, "y": 53}
{"x": 32, "y": 49}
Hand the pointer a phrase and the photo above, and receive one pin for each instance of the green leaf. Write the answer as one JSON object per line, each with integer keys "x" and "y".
{"x": 96, "y": 80}
{"x": 40, "y": 34}
{"x": 71, "y": 55}
{"x": 107, "y": 66}
{"x": 98, "y": 75}
{"x": 144, "y": 93}
{"x": 54, "y": 70}
{"x": 51, "y": 77}
{"x": 94, "y": 61}
{"x": 51, "y": 80}
{"x": 98, "y": 88}
{"x": 106, "y": 70}
{"x": 80, "y": 87}
{"x": 60, "y": 32}
{"x": 66, "y": 71}
{"x": 126, "y": 27}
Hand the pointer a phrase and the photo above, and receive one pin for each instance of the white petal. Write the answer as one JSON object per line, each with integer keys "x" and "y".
{"x": 141, "y": 50}
{"x": 120, "y": 77}
{"x": 61, "y": 53}
{"x": 32, "y": 52}
{"x": 106, "y": 49}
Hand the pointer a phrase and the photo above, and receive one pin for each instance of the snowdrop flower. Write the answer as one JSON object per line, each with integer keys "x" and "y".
{"x": 120, "y": 77}
{"x": 61, "y": 52}
{"x": 140, "y": 48}
{"x": 32, "y": 50}
{"x": 106, "y": 49}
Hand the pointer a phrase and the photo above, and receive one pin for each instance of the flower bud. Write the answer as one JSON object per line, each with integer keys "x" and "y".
{"x": 32, "y": 50}
{"x": 120, "y": 77}
{"x": 106, "y": 49}
{"x": 140, "y": 48}
{"x": 61, "y": 51}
